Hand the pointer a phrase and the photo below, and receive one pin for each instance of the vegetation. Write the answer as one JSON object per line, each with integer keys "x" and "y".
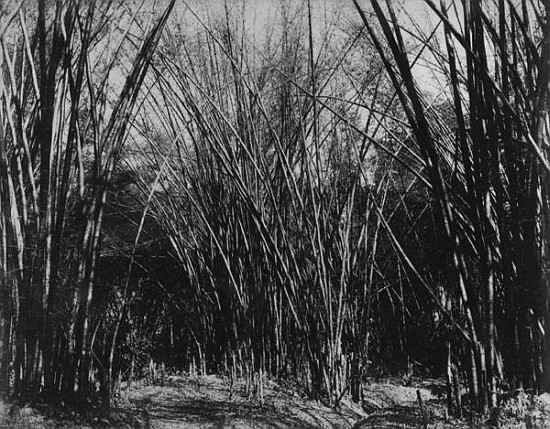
{"x": 489, "y": 186}
{"x": 183, "y": 188}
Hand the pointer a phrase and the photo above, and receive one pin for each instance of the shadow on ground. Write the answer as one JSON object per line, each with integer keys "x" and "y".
{"x": 393, "y": 417}
{"x": 209, "y": 405}
{"x": 219, "y": 414}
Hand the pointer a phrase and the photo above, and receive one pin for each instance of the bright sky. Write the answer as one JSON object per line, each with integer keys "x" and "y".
{"x": 261, "y": 15}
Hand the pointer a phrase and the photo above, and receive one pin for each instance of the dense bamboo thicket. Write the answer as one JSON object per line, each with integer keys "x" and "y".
{"x": 290, "y": 203}
{"x": 262, "y": 189}
{"x": 60, "y": 139}
{"x": 491, "y": 189}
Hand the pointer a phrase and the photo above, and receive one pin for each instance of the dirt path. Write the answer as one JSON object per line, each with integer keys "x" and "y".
{"x": 206, "y": 403}
{"x": 209, "y": 402}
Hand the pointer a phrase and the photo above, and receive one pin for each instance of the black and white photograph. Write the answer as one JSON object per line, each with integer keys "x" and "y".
{"x": 270, "y": 214}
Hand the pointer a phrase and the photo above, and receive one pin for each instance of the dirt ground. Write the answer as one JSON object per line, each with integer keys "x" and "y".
{"x": 209, "y": 402}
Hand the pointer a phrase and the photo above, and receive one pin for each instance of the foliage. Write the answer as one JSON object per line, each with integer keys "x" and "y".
{"x": 293, "y": 204}
{"x": 60, "y": 141}
{"x": 488, "y": 181}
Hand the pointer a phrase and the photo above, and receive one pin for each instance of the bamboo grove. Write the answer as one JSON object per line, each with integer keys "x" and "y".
{"x": 53, "y": 113}
{"x": 293, "y": 205}
{"x": 492, "y": 196}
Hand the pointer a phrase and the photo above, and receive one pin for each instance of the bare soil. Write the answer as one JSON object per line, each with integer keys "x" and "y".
{"x": 210, "y": 402}
{"x": 207, "y": 402}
